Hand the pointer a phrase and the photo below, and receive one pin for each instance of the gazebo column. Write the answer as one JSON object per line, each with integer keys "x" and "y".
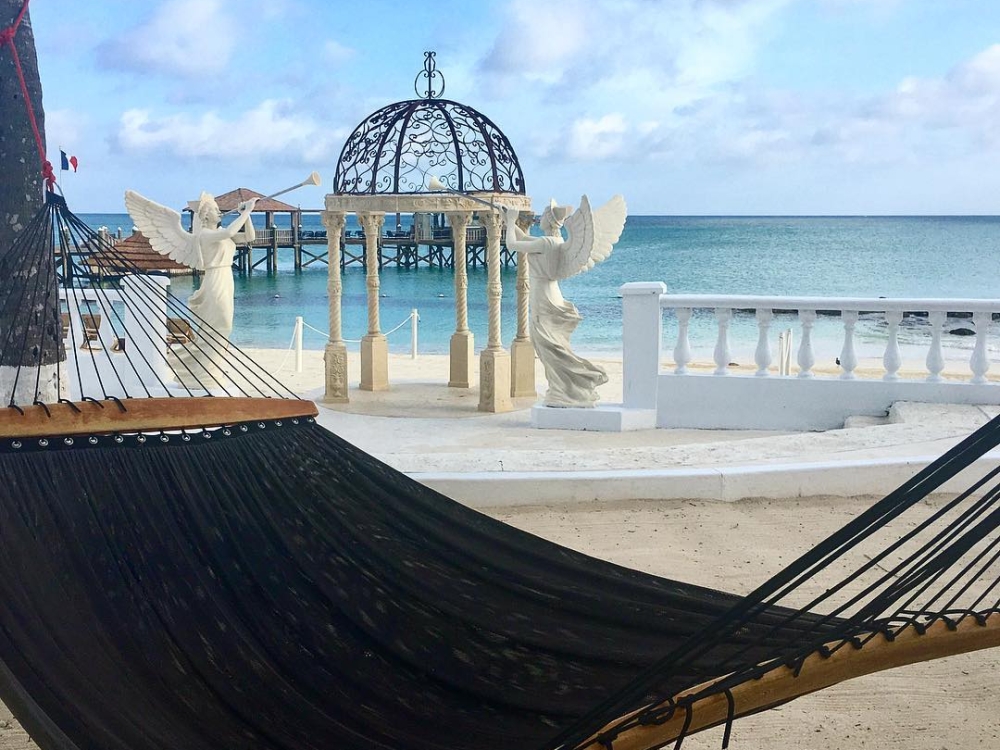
{"x": 462, "y": 351}
{"x": 522, "y": 351}
{"x": 374, "y": 346}
{"x": 494, "y": 361}
{"x": 335, "y": 355}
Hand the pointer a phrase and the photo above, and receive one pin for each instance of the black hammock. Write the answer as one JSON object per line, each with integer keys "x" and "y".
{"x": 261, "y": 583}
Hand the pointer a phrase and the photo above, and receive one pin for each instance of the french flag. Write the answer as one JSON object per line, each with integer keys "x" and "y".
{"x": 67, "y": 161}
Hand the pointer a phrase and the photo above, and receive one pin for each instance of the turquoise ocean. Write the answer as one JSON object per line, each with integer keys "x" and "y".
{"x": 924, "y": 256}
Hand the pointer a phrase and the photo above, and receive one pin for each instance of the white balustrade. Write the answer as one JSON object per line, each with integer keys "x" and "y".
{"x": 707, "y": 392}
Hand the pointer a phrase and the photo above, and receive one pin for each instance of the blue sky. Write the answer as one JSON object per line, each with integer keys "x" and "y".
{"x": 683, "y": 106}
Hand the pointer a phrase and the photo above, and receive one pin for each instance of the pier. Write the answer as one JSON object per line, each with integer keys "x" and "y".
{"x": 425, "y": 247}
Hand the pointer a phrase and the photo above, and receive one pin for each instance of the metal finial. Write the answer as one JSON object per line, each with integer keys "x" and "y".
{"x": 430, "y": 72}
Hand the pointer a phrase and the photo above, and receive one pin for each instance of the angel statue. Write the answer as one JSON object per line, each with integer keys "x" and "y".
{"x": 208, "y": 247}
{"x": 573, "y": 380}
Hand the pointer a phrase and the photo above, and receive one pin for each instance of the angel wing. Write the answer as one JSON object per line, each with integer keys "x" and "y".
{"x": 162, "y": 227}
{"x": 591, "y": 236}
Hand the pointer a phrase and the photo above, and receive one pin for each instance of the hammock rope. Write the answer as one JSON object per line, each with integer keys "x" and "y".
{"x": 230, "y": 575}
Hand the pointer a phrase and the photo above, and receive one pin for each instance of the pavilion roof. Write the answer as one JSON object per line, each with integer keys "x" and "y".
{"x": 135, "y": 252}
{"x": 229, "y": 201}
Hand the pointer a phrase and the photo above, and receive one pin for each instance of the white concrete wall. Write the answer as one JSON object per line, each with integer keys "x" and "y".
{"x": 790, "y": 403}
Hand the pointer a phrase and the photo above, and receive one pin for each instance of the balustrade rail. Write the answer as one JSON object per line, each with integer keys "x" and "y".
{"x": 802, "y": 399}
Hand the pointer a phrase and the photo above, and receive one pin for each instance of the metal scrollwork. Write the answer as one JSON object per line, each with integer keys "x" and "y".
{"x": 430, "y": 72}
{"x": 397, "y": 148}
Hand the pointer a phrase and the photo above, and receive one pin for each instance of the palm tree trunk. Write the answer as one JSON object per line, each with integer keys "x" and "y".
{"x": 21, "y": 196}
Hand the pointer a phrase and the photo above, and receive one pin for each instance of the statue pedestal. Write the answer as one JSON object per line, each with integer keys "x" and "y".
{"x": 375, "y": 362}
{"x": 460, "y": 361}
{"x": 494, "y": 381}
{"x": 603, "y": 418}
{"x": 335, "y": 358}
{"x": 522, "y": 369}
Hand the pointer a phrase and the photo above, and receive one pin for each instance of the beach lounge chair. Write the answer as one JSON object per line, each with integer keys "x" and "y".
{"x": 229, "y": 574}
{"x": 179, "y": 331}
{"x": 91, "y": 327}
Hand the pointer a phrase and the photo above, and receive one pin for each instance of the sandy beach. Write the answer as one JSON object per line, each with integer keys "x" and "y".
{"x": 420, "y": 424}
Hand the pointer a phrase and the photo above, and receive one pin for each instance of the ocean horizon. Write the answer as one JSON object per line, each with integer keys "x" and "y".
{"x": 858, "y": 256}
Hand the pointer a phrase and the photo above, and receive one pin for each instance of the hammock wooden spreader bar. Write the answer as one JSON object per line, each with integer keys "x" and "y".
{"x": 145, "y": 415}
{"x": 783, "y": 683}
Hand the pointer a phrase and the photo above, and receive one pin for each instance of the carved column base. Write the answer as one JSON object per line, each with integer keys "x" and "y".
{"x": 494, "y": 381}
{"x": 522, "y": 369}
{"x": 375, "y": 362}
{"x": 335, "y": 358}
{"x": 461, "y": 360}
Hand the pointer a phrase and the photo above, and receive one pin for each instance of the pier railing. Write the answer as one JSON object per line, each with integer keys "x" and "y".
{"x": 719, "y": 396}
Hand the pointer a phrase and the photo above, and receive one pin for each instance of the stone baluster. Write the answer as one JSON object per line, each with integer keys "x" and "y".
{"x": 806, "y": 359}
{"x": 374, "y": 346}
{"x": 722, "y": 315}
{"x": 848, "y": 357}
{"x": 335, "y": 354}
{"x": 522, "y": 351}
{"x": 682, "y": 349}
{"x": 462, "y": 341}
{"x": 494, "y": 360}
{"x": 762, "y": 355}
{"x": 892, "y": 358}
{"x": 935, "y": 357}
{"x": 980, "y": 362}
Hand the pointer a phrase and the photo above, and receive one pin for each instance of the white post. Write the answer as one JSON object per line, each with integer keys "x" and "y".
{"x": 414, "y": 317}
{"x": 642, "y": 341}
{"x": 721, "y": 355}
{"x": 297, "y": 336}
{"x": 762, "y": 355}
{"x": 892, "y": 358}
{"x": 848, "y": 357}
{"x": 980, "y": 361}
{"x": 935, "y": 357}
{"x": 806, "y": 358}
{"x": 682, "y": 350}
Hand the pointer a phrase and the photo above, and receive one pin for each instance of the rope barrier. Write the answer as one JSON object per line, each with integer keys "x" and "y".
{"x": 406, "y": 320}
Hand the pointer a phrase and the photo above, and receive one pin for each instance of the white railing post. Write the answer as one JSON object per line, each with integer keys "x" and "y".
{"x": 762, "y": 355}
{"x": 935, "y": 356}
{"x": 848, "y": 358}
{"x": 721, "y": 354}
{"x": 642, "y": 341}
{"x": 297, "y": 336}
{"x": 806, "y": 358}
{"x": 892, "y": 358}
{"x": 785, "y": 352}
{"x": 682, "y": 349}
{"x": 414, "y": 317}
{"x": 980, "y": 361}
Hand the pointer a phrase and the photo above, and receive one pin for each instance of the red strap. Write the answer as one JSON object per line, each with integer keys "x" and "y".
{"x": 7, "y": 37}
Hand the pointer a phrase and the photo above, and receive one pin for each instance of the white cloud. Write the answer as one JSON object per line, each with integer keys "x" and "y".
{"x": 603, "y": 138}
{"x": 642, "y": 52}
{"x": 336, "y": 52}
{"x": 271, "y": 129}
{"x": 188, "y": 38}
{"x": 63, "y": 129}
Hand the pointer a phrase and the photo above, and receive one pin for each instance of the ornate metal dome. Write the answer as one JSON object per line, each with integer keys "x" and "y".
{"x": 398, "y": 148}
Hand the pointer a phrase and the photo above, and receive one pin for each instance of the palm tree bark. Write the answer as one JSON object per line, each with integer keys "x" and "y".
{"x": 20, "y": 164}
{"x": 33, "y": 318}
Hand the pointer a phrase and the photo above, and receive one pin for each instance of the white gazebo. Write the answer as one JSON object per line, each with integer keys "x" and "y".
{"x": 385, "y": 167}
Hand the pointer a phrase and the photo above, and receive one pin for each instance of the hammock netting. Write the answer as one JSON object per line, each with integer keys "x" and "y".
{"x": 261, "y": 583}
